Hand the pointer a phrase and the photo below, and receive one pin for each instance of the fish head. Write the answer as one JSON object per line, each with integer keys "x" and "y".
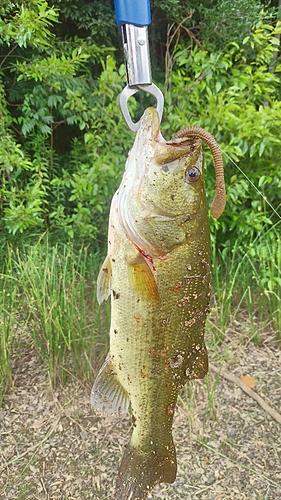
{"x": 162, "y": 197}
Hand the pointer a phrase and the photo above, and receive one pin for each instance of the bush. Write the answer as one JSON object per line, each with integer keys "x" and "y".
{"x": 236, "y": 97}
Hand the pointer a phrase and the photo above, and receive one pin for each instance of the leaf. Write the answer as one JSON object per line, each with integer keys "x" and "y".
{"x": 248, "y": 381}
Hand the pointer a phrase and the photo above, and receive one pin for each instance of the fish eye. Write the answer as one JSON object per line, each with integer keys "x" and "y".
{"x": 192, "y": 174}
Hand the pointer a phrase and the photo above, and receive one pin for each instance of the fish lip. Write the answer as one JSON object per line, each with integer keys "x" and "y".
{"x": 150, "y": 124}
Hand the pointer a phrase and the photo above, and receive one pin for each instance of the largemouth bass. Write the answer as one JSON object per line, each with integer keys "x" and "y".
{"x": 157, "y": 271}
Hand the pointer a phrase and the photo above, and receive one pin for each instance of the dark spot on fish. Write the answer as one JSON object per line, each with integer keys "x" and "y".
{"x": 186, "y": 219}
{"x": 165, "y": 168}
{"x": 115, "y": 331}
{"x": 172, "y": 197}
{"x": 177, "y": 286}
{"x": 170, "y": 409}
{"x": 105, "y": 270}
{"x": 116, "y": 295}
{"x": 137, "y": 318}
{"x": 113, "y": 260}
{"x": 134, "y": 421}
{"x": 127, "y": 339}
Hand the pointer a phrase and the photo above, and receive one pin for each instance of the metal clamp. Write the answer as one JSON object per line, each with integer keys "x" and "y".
{"x": 133, "y": 18}
{"x": 127, "y": 92}
{"x": 136, "y": 49}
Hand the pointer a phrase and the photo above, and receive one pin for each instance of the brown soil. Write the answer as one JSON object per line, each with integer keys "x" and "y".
{"x": 52, "y": 446}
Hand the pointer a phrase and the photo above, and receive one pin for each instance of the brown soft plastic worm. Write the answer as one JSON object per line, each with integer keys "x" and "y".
{"x": 218, "y": 203}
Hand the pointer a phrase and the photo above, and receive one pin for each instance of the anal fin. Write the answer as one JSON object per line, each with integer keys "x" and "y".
{"x": 108, "y": 395}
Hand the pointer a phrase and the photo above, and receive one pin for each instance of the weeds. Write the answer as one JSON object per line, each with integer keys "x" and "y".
{"x": 51, "y": 290}
{"x": 268, "y": 277}
{"x": 249, "y": 281}
{"x": 8, "y": 296}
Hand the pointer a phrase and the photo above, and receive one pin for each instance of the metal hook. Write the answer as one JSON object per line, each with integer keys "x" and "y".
{"x": 127, "y": 92}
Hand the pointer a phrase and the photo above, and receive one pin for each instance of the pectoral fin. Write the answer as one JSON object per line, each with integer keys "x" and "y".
{"x": 108, "y": 395}
{"x": 104, "y": 281}
{"x": 142, "y": 279}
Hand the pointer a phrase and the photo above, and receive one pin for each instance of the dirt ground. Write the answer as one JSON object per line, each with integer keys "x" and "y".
{"x": 52, "y": 446}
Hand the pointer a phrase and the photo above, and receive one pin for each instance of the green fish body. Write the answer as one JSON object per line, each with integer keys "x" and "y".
{"x": 157, "y": 272}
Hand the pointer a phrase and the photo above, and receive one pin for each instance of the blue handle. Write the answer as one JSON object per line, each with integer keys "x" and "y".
{"x": 135, "y": 12}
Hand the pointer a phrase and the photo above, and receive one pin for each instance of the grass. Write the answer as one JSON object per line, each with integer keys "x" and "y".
{"x": 249, "y": 281}
{"x": 8, "y": 297}
{"x": 49, "y": 292}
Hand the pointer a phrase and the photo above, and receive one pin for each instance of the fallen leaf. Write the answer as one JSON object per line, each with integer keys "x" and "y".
{"x": 248, "y": 381}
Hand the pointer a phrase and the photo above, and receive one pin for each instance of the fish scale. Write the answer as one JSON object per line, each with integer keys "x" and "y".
{"x": 157, "y": 272}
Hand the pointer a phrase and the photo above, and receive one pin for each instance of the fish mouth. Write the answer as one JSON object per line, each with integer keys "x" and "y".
{"x": 161, "y": 150}
{"x": 150, "y": 125}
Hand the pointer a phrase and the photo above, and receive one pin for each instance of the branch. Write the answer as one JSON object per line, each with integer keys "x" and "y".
{"x": 232, "y": 378}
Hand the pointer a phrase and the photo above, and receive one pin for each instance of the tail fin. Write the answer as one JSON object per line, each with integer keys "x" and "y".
{"x": 140, "y": 471}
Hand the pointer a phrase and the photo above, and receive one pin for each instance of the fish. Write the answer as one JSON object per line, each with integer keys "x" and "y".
{"x": 157, "y": 273}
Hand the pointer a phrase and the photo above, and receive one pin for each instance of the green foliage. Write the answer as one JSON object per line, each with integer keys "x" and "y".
{"x": 27, "y": 25}
{"x": 61, "y": 174}
{"x": 235, "y": 96}
{"x": 95, "y": 19}
{"x": 81, "y": 187}
{"x": 230, "y": 20}
{"x": 64, "y": 142}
